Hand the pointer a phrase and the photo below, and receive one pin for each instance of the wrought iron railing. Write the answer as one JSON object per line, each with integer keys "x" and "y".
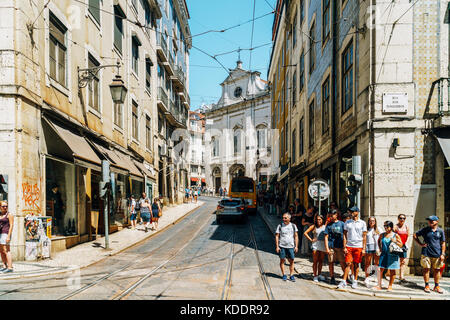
{"x": 443, "y": 87}
{"x": 162, "y": 96}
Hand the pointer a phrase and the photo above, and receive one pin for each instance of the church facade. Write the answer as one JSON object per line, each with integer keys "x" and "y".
{"x": 238, "y": 130}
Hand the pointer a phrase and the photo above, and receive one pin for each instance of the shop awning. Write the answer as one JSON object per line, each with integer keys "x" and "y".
{"x": 443, "y": 136}
{"x": 143, "y": 169}
{"x": 203, "y": 180}
{"x": 126, "y": 159}
{"x": 78, "y": 147}
{"x": 117, "y": 164}
{"x": 194, "y": 179}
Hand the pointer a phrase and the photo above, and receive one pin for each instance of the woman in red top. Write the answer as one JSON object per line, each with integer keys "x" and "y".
{"x": 6, "y": 227}
{"x": 402, "y": 230}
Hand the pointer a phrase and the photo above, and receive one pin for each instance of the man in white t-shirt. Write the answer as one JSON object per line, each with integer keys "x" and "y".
{"x": 355, "y": 231}
{"x": 286, "y": 240}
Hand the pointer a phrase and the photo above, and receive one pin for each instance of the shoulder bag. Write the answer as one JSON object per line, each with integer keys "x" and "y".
{"x": 394, "y": 248}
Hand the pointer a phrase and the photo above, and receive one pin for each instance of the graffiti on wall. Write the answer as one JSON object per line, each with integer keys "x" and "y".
{"x": 31, "y": 196}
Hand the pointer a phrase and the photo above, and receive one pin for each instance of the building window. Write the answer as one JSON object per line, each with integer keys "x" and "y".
{"x": 148, "y": 16}
{"x": 347, "y": 77}
{"x": 148, "y": 132}
{"x": 160, "y": 124}
{"x": 294, "y": 88}
{"x": 193, "y": 155}
{"x": 261, "y": 138}
{"x": 294, "y": 31}
{"x": 94, "y": 9}
{"x": 134, "y": 120}
{"x": 94, "y": 86}
{"x": 237, "y": 142}
{"x": 58, "y": 51}
{"x": 286, "y": 138}
{"x": 148, "y": 73}
{"x": 302, "y": 71}
{"x": 118, "y": 115}
{"x": 119, "y": 16}
{"x": 302, "y": 136}
{"x": 326, "y": 105}
{"x": 325, "y": 20}
{"x": 215, "y": 149}
{"x": 294, "y": 134}
{"x": 311, "y": 124}
{"x": 312, "y": 48}
{"x": 135, "y": 44}
{"x": 302, "y": 11}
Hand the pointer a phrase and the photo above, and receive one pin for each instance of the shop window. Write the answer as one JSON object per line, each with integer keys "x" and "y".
{"x": 60, "y": 197}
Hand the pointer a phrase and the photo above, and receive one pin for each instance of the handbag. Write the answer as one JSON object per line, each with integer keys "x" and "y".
{"x": 394, "y": 248}
{"x": 159, "y": 213}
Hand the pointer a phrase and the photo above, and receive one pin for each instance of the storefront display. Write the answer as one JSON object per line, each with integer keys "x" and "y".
{"x": 60, "y": 197}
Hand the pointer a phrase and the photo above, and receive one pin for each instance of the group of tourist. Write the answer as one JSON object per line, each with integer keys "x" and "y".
{"x": 191, "y": 194}
{"x": 149, "y": 213}
{"x": 346, "y": 239}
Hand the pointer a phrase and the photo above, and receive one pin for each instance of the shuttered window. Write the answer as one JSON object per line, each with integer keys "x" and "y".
{"x": 58, "y": 51}
{"x": 94, "y": 9}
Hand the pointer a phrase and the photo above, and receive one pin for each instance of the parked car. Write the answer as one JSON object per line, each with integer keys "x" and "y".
{"x": 231, "y": 208}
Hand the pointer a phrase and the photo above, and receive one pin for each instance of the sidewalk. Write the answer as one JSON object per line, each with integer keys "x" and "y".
{"x": 88, "y": 253}
{"x": 412, "y": 289}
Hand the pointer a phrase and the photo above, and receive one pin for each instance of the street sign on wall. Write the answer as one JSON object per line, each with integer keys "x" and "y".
{"x": 395, "y": 102}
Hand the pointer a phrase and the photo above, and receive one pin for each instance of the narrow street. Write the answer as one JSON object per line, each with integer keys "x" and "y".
{"x": 194, "y": 259}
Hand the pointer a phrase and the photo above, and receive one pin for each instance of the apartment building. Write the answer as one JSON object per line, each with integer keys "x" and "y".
{"x": 197, "y": 122}
{"x": 58, "y": 63}
{"x": 362, "y": 84}
{"x": 173, "y": 45}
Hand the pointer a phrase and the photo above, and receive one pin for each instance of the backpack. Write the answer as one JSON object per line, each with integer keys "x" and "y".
{"x": 137, "y": 207}
{"x": 292, "y": 226}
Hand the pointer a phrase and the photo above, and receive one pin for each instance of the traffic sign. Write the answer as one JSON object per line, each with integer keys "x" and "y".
{"x": 319, "y": 187}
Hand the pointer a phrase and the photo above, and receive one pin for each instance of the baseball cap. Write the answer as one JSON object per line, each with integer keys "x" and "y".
{"x": 354, "y": 209}
{"x": 432, "y": 218}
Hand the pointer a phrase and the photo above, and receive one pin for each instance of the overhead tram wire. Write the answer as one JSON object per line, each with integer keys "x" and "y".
{"x": 251, "y": 39}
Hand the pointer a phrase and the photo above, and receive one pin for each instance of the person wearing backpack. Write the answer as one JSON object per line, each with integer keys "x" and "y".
{"x": 286, "y": 241}
{"x": 389, "y": 259}
{"x": 133, "y": 215}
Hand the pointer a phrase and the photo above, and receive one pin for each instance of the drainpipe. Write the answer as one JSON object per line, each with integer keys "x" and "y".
{"x": 372, "y": 111}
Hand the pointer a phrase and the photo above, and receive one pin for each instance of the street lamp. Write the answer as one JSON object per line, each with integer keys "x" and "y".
{"x": 117, "y": 87}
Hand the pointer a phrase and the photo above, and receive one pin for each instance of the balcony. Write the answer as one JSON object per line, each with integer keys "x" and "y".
{"x": 176, "y": 117}
{"x": 441, "y": 113}
{"x": 163, "y": 100}
{"x": 161, "y": 47}
{"x": 179, "y": 79}
{"x": 185, "y": 98}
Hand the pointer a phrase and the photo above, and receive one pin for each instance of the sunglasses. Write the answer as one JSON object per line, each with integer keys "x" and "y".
{"x": 4, "y": 206}
{"x": 386, "y": 227}
{"x": 401, "y": 218}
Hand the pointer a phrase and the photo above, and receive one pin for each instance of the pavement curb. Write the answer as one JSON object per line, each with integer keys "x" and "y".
{"x": 361, "y": 292}
{"x": 71, "y": 269}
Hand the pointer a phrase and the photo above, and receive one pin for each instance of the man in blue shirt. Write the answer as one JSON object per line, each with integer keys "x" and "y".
{"x": 433, "y": 251}
{"x": 334, "y": 244}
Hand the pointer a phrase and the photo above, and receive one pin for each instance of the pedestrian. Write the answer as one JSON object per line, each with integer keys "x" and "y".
{"x": 318, "y": 246}
{"x": 190, "y": 195}
{"x": 372, "y": 247}
{"x": 186, "y": 194}
{"x": 6, "y": 228}
{"x": 433, "y": 250}
{"x": 403, "y": 231}
{"x": 388, "y": 260}
{"x": 334, "y": 244}
{"x": 133, "y": 214}
{"x": 346, "y": 217}
{"x": 220, "y": 192}
{"x": 307, "y": 221}
{"x": 145, "y": 214}
{"x": 156, "y": 213}
{"x": 195, "y": 195}
{"x": 141, "y": 201}
{"x": 279, "y": 204}
{"x": 286, "y": 241}
{"x": 355, "y": 231}
{"x": 224, "y": 192}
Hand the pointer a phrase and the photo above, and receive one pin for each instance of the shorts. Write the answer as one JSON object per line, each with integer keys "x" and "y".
{"x": 371, "y": 251}
{"x": 353, "y": 255}
{"x": 429, "y": 262}
{"x": 3, "y": 237}
{"x": 336, "y": 253}
{"x": 287, "y": 252}
{"x": 133, "y": 216}
{"x": 145, "y": 216}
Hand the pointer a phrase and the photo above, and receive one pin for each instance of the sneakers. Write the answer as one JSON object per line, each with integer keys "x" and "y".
{"x": 367, "y": 281}
{"x": 351, "y": 278}
{"x": 7, "y": 271}
{"x": 427, "y": 289}
{"x": 333, "y": 281}
{"x": 355, "y": 285}
{"x": 438, "y": 289}
{"x": 292, "y": 278}
{"x": 316, "y": 279}
{"x": 284, "y": 277}
{"x": 3, "y": 269}
{"x": 342, "y": 285}
{"x": 321, "y": 278}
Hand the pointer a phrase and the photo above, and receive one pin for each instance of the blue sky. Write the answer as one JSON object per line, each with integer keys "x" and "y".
{"x": 205, "y": 73}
